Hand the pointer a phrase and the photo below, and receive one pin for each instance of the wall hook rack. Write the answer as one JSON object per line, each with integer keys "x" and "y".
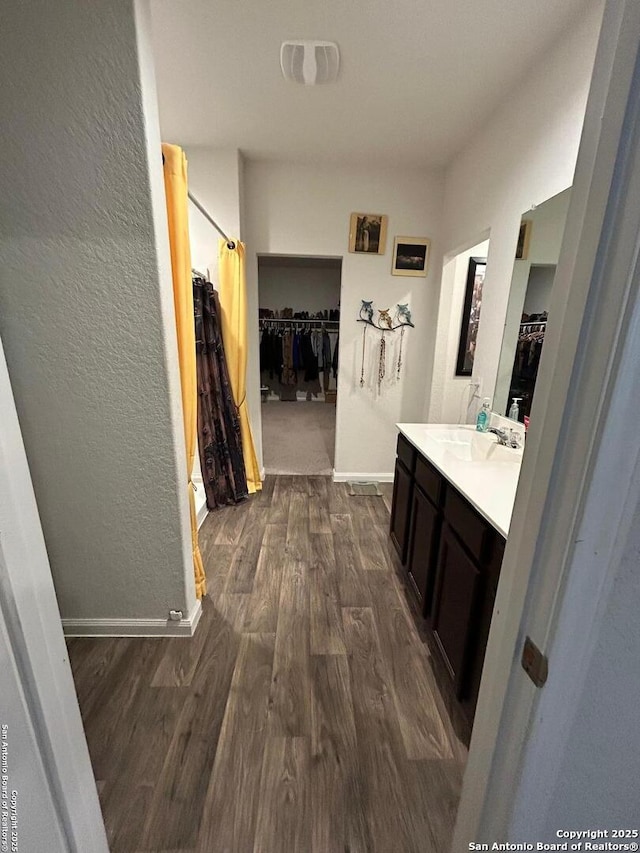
{"x": 385, "y": 322}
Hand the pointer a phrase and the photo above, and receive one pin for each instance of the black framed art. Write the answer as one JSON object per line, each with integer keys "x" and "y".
{"x": 470, "y": 316}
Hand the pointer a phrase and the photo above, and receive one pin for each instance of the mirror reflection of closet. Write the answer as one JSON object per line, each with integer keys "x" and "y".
{"x": 529, "y": 304}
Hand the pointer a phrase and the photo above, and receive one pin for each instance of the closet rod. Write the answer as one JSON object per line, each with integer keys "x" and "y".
{"x": 230, "y": 243}
{"x": 296, "y": 321}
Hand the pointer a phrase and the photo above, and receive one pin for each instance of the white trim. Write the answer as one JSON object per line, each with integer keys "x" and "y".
{"x": 203, "y": 512}
{"x": 573, "y": 389}
{"x": 262, "y": 473}
{"x": 133, "y": 627}
{"x": 32, "y": 619}
{"x": 362, "y": 477}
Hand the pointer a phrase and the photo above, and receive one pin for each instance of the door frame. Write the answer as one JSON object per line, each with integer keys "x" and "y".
{"x": 37, "y": 651}
{"x": 596, "y": 285}
{"x": 340, "y": 258}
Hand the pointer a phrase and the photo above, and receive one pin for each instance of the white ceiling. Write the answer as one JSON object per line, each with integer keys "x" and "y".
{"x": 417, "y": 76}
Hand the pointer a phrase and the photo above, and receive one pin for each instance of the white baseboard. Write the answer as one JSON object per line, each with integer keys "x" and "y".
{"x": 133, "y": 627}
{"x": 203, "y": 512}
{"x": 359, "y": 477}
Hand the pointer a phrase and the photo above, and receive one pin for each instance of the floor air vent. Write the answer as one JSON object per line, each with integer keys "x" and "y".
{"x": 361, "y": 490}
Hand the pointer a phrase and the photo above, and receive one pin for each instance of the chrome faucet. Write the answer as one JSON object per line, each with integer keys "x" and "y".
{"x": 506, "y": 439}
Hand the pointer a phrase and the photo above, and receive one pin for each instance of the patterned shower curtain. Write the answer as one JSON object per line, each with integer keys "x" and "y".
{"x": 219, "y": 438}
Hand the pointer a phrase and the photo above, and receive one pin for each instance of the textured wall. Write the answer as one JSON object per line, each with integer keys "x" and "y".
{"x": 452, "y": 401}
{"x": 525, "y": 154}
{"x": 301, "y": 288}
{"x": 215, "y": 181}
{"x": 38, "y": 698}
{"x": 86, "y": 306}
{"x": 295, "y": 209}
{"x": 548, "y": 221}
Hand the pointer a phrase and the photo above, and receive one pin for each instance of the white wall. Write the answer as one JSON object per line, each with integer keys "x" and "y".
{"x": 48, "y": 762}
{"x": 582, "y": 750}
{"x": 214, "y": 179}
{"x": 539, "y": 287}
{"x": 86, "y": 307}
{"x": 525, "y": 154}
{"x": 581, "y": 764}
{"x": 547, "y": 227}
{"x": 452, "y": 396}
{"x": 302, "y": 288}
{"x": 305, "y": 210}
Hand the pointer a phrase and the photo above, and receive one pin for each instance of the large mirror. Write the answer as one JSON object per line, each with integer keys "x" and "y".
{"x": 534, "y": 268}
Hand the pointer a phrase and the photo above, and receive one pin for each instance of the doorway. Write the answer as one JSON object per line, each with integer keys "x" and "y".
{"x": 299, "y": 328}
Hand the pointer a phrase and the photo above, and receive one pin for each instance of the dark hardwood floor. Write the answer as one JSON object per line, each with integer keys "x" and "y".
{"x": 307, "y": 714}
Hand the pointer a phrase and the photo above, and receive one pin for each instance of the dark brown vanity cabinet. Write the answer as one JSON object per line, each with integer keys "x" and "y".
{"x": 488, "y": 600}
{"x": 455, "y": 606}
{"x": 423, "y": 547}
{"x": 453, "y": 557}
{"x": 402, "y": 497}
{"x": 424, "y": 531}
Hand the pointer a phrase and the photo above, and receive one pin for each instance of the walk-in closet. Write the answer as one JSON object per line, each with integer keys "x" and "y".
{"x": 299, "y": 322}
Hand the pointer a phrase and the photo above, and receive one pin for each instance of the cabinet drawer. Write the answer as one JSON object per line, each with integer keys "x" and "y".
{"x": 430, "y": 481}
{"x": 474, "y": 531}
{"x": 406, "y": 453}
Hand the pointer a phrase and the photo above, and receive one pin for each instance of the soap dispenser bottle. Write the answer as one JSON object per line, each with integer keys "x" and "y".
{"x": 484, "y": 416}
{"x": 514, "y": 411}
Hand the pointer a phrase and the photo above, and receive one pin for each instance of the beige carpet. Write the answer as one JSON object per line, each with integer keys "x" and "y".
{"x": 298, "y": 438}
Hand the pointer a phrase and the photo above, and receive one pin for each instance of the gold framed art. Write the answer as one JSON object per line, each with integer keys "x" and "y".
{"x": 368, "y": 233}
{"x": 411, "y": 256}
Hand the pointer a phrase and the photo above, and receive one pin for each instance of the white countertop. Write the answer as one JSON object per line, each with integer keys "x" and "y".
{"x": 458, "y": 451}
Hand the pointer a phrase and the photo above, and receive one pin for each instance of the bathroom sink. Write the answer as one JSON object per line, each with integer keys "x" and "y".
{"x": 469, "y": 445}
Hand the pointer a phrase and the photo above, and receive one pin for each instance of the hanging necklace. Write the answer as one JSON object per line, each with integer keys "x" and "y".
{"x": 381, "y": 363}
{"x": 364, "y": 337}
{"x": 400, "y": 353}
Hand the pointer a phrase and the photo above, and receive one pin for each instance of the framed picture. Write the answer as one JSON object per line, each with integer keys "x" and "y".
{"x": 470, "y": 316}
{"x": 410, "y": 256}
{"x": 368, "y": 233}
{"x": 524, "y": 238}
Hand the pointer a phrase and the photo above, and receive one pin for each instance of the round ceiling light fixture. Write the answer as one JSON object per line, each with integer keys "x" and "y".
{"x": 310, "y": 62}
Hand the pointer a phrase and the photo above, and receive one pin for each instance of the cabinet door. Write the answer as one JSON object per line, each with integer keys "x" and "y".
{"x": 423, "y": 547}
{"x": 477, "y": 653}
{"x": 400, "y": 508}
{"x": 455, "y": 606}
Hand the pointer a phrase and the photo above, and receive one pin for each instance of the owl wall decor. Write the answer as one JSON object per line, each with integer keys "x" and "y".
{"x": 384, "y": 323}
{"x": 366, "y": 310}
{"x": 384, "y": 320}
{"x": 403, "y": 315}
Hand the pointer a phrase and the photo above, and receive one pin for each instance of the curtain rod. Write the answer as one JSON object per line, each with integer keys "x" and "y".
{"x": 230, "y": 243}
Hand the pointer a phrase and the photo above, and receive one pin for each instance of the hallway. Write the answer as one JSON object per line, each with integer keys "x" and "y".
{"x": 303, "y": 716}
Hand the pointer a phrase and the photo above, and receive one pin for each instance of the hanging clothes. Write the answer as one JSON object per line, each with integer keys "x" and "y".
{"x": 326, "y": 360}
{"x": 233, "y": 302}
{"x": 271, "y": 354}
{"x": 309, "y": 358}
{"x": 289, "y": 375}
{"x": 219, "y": 435}
{"x": 293, "y": 355}
{"x": 296, "y": 357}
{"x": 174, "y": 165}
